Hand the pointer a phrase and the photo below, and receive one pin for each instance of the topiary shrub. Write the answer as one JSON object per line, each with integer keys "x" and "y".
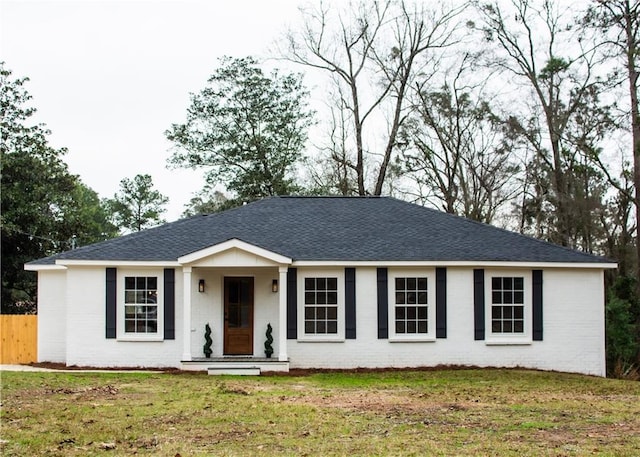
{"x": 268, "y": 348}
{"x": 208, "y": 341}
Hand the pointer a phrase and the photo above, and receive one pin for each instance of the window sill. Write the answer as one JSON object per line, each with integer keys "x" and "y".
{"x": 137, "y": 339}
{"x": 508, "y": 342}
{"x": 416, "y": 339}
{"x": 306, "y": 339}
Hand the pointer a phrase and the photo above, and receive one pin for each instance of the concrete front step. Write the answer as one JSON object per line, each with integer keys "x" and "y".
{"x": 235, "y": 365}
{"x": 234, "y": 369}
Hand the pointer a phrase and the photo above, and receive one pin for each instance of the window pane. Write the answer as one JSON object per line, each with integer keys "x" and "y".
{"x": 332, "y": 313}
{"x": 321, "y": 312}
{"x": 411, "y": 283}
{"x": 412, "y": 298}
{"x": 400, "y": 282}
{"x": 309, "y": 313}
{"x": 507, "y": 297}
{"x": 129, "y": 282}
{"x": 496, "y": 312}
{"x": 152, "y": 283}
{"x": 507, "y": 312}
{"x": 309, "y": 327}
{"x": 140, "y": 296}
{"x": 507, "y": 283}
{"x": 141, "y": 282}
{"x": 518, "y": 312}
{"x": 411, "y": 312}
{"x": 332, "y": 298}
{"x": 496, "y": 298}
{"x": 518, "y": 283}
{"x": 321, "y": 283}
{"x": 400, "y": 298}
{"x": 332, "y": 327}
{"x": 422, "y": 327}
{"x": 309, "y": 283}
{"x": 422, "y": 298}
{"x": 321, "y": 327}
{"x": 332, "y": 283}
{"x": 129, "y": 326}
{"x": 495, "y": 327}
{"x": 507, "y": 327}
{"x": 309, "y": 298}
{"x": 518, "y": 297}
{"x": 518, "y": 326}
{"x": 129, "y": 312}
{"x": 422, "y": 283}
{"x": 400, "y": 327}
{"x": 129, "y": 296}
{"x": 496, "y": 283}
{"x": 411, "y": 327}
{"x": 422, "y": 312}
{"x": 400, "y": 312}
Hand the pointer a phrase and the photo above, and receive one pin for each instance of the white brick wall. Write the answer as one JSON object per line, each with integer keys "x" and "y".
{"x": 51, "y": 316}
{"x": 573, "y": 324}
{"x": 573, "y": 330}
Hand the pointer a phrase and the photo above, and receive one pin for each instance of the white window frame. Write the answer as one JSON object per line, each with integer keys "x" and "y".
{"x": 499, "y": 338}
{"x": 323, "y": 337}
{"x": 121, "y": 334}
{"x": 430, "y": 274}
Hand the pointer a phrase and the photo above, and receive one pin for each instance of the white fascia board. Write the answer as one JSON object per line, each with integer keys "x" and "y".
{"x": 434, "y": 263}
{"x": 230, "y": 244}
{"x": 116, "y": 263}
{"x": 44, "y": 267}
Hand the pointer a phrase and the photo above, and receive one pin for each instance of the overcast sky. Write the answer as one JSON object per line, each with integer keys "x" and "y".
{"x": 109, "y": 77}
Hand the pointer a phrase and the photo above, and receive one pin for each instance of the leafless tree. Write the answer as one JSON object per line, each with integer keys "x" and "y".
{"x": 372, "y": 50}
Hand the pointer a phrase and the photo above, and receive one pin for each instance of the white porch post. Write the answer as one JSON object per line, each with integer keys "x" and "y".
{"x": 282, "y": 331}
{"x": 186, "y": 313}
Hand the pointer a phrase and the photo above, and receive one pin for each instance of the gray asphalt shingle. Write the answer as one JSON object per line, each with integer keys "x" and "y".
{"x": 333, "y": 229}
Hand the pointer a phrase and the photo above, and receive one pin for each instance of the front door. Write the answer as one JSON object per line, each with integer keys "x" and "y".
{"x": 238, "y": 316}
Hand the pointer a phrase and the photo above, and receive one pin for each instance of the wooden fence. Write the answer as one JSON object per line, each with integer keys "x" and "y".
{"x": 19, "y": 337}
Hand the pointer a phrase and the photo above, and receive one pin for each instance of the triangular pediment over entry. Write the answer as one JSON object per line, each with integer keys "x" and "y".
{"x": 234, "y": 253}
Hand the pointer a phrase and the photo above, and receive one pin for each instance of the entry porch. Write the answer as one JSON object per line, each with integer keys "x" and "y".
{"x": 235, "y": 309}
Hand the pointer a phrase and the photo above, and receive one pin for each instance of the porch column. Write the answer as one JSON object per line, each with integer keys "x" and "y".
{"x": 186, "y": 313}
{"x": 282, "y": 330}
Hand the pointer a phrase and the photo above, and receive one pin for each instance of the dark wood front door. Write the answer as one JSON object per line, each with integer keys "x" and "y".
{"x": 238, "y": 316}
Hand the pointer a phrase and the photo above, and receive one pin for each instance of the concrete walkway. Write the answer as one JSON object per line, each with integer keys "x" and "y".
{"x": 23, "y": 368}
{"x": 62, "y": 370}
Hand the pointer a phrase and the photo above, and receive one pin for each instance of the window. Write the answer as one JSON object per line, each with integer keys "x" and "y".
{"x": 412, "y": 310}
{"x": 411, "y": 305}
{"x": 141, "y": 304}
{"x": 321, "y": 305}
{"x": 507, "y": 304}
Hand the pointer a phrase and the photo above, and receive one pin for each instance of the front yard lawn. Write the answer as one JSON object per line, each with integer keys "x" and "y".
{"x": 441, "y": 412}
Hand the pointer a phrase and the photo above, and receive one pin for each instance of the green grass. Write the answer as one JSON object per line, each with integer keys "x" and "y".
{"x": 447, "y": 412}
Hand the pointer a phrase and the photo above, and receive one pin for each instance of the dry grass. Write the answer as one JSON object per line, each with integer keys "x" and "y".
{"x": 459, "y": 412}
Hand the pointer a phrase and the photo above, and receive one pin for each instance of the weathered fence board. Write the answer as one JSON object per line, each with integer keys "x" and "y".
{"x": 19, "y": 338}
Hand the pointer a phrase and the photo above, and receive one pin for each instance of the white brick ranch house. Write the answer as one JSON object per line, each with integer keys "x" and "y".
{"x": 345, "y": 282}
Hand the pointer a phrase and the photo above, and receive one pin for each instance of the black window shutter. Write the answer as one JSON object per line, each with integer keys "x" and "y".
{"x": 169, "y": 304}
{"x": 292, "y": 303}
{"x": 537, "y": 304}
{"x": 350, "y": 303}
{"x": 110, "y": 307}
{"x": 441, "y": 302}
{"x": 383, "y": 304}
{"x": 478, "y": 303}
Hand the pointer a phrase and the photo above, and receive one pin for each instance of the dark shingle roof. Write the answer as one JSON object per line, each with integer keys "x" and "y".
{"x": 333, "y": 229}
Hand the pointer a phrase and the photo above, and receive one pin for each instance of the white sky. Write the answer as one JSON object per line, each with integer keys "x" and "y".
{"x": 109, "y": 77}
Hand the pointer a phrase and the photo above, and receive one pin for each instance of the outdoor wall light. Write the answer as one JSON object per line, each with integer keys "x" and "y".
{"x": 274, "y": 285}
{"x": 201, "y": 286}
